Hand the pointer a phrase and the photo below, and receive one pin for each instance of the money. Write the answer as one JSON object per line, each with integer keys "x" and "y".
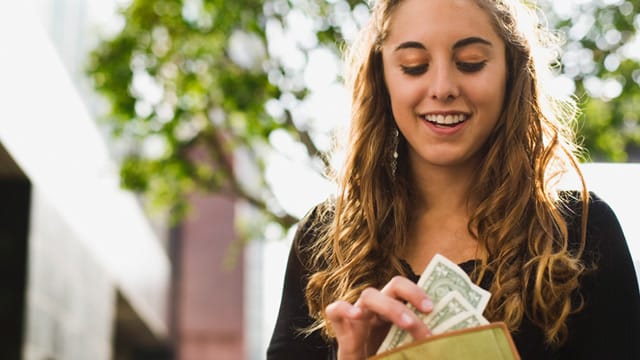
{"x": 452, "y": 305}
{"x": 443, "y": 276}
{"x": 463, "y": 321}
{"x": 458, "y": 302}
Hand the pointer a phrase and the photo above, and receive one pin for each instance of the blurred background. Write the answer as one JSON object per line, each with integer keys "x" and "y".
{"x": 156, "y": 155}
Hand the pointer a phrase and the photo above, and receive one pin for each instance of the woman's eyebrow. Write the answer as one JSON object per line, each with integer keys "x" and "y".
{"x": 471, "y": 40}
{"x": 410, "y": 45}
{"x": 460, "y": 43}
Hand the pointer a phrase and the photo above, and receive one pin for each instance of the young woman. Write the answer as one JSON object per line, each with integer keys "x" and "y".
{"x": 455, "y": 147}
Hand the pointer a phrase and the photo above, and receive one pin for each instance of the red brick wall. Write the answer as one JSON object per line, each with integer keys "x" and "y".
{"x": 210, "y": 298}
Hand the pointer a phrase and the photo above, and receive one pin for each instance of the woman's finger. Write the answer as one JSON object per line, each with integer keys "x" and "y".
{"x": 394, "y": 311}
{"x": 350, "y": 329}
{"x": 341, "y": 310}
{"x": 402, "y": 288}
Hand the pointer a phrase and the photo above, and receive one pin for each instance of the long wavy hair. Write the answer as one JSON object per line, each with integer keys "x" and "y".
{"x": 519, "y": 221}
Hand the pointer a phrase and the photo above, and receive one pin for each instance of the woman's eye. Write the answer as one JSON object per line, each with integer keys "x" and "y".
{"x": 414, "y": 70}
{"x": 470, "y": 67}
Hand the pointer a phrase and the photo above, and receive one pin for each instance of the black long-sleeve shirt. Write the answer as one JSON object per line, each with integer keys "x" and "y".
{"x": 608, "y": 327}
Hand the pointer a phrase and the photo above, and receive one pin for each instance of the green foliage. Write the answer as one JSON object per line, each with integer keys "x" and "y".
{"x": 189, "y": 83}
{"x": 170, "y": 79}
{"x": 601, "y": 56}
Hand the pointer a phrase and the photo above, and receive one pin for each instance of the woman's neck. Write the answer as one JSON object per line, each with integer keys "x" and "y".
{"x": 441, "y": 216}
{"x": 442, "y": 189}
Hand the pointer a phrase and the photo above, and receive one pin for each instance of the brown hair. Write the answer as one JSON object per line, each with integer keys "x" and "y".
{"x": 518, "y": 222}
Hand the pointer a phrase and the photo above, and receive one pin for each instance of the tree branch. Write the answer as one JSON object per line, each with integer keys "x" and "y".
{"x": 305, "y": 139}
{"x": 222, "y": 157}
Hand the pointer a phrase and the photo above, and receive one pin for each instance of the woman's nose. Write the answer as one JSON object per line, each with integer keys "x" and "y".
{"x": 443, "y": 84}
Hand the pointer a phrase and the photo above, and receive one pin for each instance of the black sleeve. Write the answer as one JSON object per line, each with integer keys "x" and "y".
{"x": 287, "y": 342}
{"x": 608, "y": 327}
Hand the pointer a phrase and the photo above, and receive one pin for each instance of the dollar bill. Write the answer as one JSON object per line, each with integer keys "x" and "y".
{"x": 461, "y": 321}
{"x": 452, "y": 293}
{"x": 452, "y": 306}
{"x": 443, "y": 276}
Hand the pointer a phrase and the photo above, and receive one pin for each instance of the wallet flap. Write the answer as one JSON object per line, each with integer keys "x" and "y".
{"x": 487, "y": 342}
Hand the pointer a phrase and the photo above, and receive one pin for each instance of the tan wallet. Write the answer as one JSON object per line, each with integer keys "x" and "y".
{"x": 486, "y": 342}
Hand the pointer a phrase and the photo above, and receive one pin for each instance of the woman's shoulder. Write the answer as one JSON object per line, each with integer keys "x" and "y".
{"x": 599, "y": 211}
{"x": 608, "y": 291}
{"x": 315, "y": 221}
{"x": 312, "y": 229}
{"x": 604, "y": 234}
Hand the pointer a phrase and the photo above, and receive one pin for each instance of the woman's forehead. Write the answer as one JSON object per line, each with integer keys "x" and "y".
{"x": 438, "y": 20}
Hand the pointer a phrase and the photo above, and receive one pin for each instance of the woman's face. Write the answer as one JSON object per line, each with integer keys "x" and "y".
{"x": 444, "y": 67}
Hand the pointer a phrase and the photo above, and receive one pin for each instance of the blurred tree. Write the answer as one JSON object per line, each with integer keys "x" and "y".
{"x": 601, "y": 57}
{"x": 193, "y": 84}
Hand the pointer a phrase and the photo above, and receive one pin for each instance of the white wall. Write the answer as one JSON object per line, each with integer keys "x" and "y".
{"x": 70, "y": 297}
{"x": 617, "y": 184}
{"x": 48, "y": 131}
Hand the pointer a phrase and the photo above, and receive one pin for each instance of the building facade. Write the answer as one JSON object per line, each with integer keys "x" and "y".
{"x": 88, "y": 276}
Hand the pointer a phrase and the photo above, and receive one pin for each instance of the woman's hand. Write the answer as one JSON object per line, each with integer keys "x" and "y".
{"x": 360, "y": 328}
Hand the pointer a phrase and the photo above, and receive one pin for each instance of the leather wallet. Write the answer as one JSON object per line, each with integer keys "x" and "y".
{"x": 486, "y": 342}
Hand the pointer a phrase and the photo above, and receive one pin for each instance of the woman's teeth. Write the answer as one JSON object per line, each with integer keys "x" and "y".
{"x": 446, "y": 120}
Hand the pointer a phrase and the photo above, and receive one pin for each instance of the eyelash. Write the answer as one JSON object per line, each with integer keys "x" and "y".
{"x": 471, "y": 67}
{"x": 414, "y": 70}
{"x": 462, "y": 66}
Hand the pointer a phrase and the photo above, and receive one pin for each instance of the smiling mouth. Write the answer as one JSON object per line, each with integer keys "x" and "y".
{"x": 449, "y": 120}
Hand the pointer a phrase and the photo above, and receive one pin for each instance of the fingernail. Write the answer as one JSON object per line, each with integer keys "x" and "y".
{"x": 406, "y": 319}
{"x": 355, "y": 311}
{"x": 427, "y": 305}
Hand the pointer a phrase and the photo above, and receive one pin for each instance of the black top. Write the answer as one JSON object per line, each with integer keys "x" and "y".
{"x": 608, "y": 327}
